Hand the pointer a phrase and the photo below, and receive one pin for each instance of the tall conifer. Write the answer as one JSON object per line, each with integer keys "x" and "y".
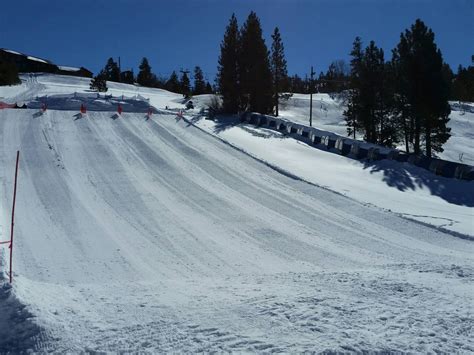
{"x": 255, "y": 73}
{"x": 145, "y": 76}
{"x": 278, "y": 65}
{"x": 199, "y": 83}
{"x": 422, "y": 85}
{"x": 228, "y": 82}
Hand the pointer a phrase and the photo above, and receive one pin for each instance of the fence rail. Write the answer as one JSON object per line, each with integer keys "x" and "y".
{"x": 358, "y": 149}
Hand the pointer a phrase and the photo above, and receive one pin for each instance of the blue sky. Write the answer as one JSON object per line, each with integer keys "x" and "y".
{"x": 181, "y": 34}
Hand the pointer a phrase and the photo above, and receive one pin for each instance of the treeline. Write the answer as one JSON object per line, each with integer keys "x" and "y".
{"x": 250, "y": 77}
{"x": 463, "y": 83}
{"x": 404, "y": 99}
{"x": 146, "y": 78}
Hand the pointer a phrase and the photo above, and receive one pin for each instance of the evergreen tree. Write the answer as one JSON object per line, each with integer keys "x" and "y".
{"x": 173, "y": 83}
{"x": 145, "y": 76}
{"x": 463, "y": 84}
{"x": 99, "y": 82}
{"x": 336, "y": 78}
{"x": 209, "y": 89}
{"x": 127, "y": 77}
{"x": 353, "y": 114}
{"x": 422, "y": 85}
{"x": 185, "y": 85}
{"x": 199, "y": 83}
{"x": 297, "y": 84}
{"x": 8, "y": 74}
{"x": 278, "y": 66}
{"x": 112, "y": 71}
{"x": 228, "y": 82}
{"x": 370, "y": 99}
{"x": 255, "y": 73}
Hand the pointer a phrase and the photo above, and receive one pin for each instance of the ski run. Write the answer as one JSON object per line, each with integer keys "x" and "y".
{"x": 170, "y": 234}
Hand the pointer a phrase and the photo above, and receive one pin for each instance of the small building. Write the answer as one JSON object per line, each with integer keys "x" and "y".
{"x": 83, "y": 72}
{"x": 29, "y": 64}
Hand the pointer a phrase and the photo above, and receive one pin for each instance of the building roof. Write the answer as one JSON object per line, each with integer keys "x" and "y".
{"x": 30, "y": 57}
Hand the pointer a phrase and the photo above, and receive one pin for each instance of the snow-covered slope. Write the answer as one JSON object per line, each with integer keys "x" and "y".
{"x": 328, "y": 115}
{"x": 152, "y": 235}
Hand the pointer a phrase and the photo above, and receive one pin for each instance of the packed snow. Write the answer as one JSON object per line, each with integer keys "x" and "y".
{"x": 170, "y": 234}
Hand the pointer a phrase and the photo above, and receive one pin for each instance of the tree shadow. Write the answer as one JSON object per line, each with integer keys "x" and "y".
{"x": 407, "y": 177}
{"x": 194, "y": 120}
{"x": 225, "y": 122}
{"x": 19, "y": 333}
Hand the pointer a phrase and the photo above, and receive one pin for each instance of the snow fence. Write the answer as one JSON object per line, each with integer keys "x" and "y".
{"x": 93, "y": 102}
{"x": 357, "y": 149}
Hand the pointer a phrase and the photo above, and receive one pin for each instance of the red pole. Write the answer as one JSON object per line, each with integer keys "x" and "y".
{"x": 13, "y": 214}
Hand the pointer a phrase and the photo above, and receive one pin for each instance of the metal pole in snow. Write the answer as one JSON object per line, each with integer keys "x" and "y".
{"x": 13, "y": 214}
{"x": 311, "y": 98}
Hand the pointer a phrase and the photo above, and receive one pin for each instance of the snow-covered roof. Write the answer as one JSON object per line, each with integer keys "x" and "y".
{"x": 66, "y": 68}
{"x": 37, "y": 59}
{"x": 12, "y": 52}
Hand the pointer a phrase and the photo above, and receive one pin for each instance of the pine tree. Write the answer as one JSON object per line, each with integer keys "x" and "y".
{"x": 228, "y": 82}
{"x": 255, "y": 73}
{"x": 353, "y": 114}
{"x": 112, "y": 71}
{"x": 278, "y": 66}
{"x": 209, "y": 89}
{"x": 199, "y": 83}
{"x": 336, "y": 78}
{"x": 185, "y": 85}
{"x": 127, "y": 77}
{"x": 173, "y": 83}
{"x": 145, "y": 76}
{"x": 99, "y": 82}
{"x": 422, "y": 85}
{"x": 371, "y": 96}
{"x": 371, "y": 92}
{"x": 296, "y": 84}
{"x": 463, "y": 84}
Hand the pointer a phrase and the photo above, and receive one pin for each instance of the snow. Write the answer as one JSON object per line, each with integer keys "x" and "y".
{"x": 136, "y": 235}
{"x": 13, "y": 52}
{"x": 66, "y": 68}
{"x": 400, "y": 187}
{"x": 328, "y": 116}
{"x": 37, "y": 59}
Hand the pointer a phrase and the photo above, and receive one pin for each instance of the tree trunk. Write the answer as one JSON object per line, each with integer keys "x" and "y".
{"x": 417, "y": 135}
{"x": 276, "y": 104}
{"x": 428, "y": 142}
{"x": 405, "y": 131}
{"x": 411, "y": 130}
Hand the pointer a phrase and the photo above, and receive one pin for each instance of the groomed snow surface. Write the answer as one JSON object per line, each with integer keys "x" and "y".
{"x": 184, "y": 235}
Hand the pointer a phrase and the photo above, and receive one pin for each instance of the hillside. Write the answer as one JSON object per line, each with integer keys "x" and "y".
{"x": 189, "y": 235}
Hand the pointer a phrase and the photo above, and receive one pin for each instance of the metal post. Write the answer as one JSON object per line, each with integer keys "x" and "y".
{"x": 311, "y": 98}
{"x": 13, "y": 215}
